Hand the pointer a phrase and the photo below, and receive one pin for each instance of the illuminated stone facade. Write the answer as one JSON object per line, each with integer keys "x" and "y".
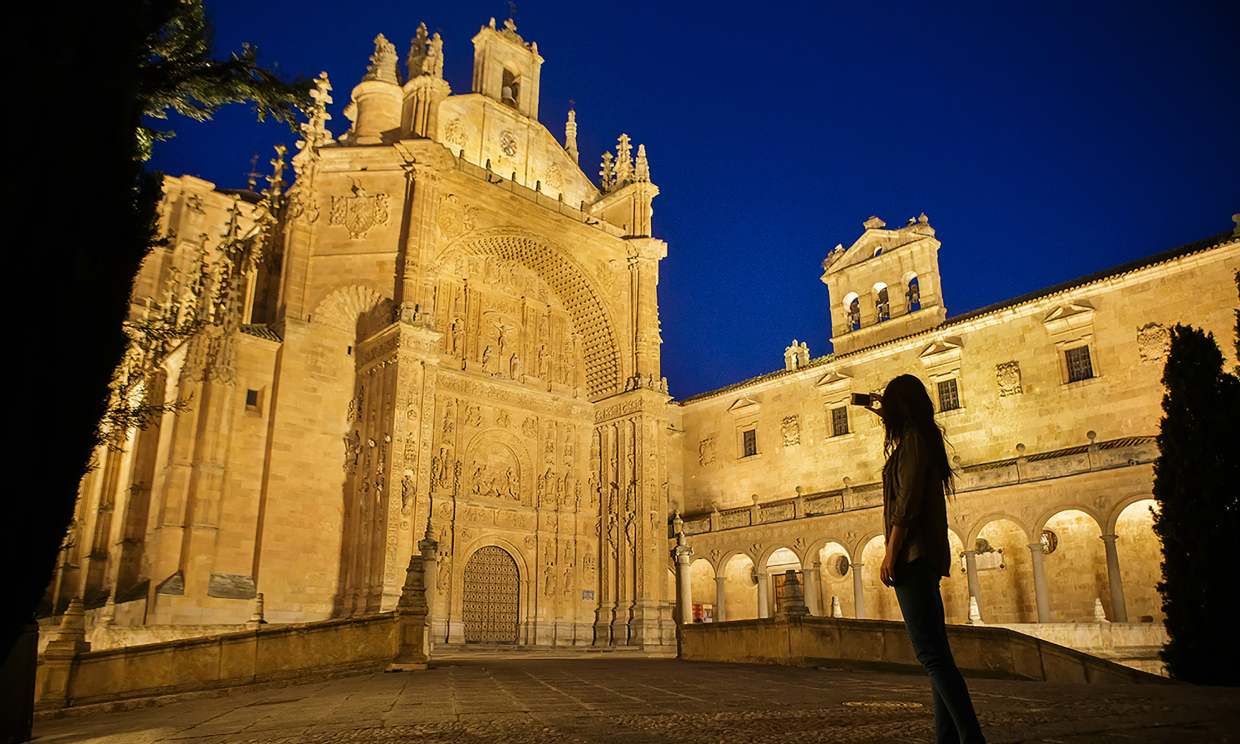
{"x": 452, "y": 345}
{"x": 453, "y": 328}
{"x": 1050, "y": 403}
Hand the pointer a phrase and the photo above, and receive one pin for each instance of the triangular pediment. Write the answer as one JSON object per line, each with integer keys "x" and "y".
{"x": 834, "y": 380}
{"x": 1069, "y": 317}
{"x": 941, "y": 351}
{"x": 1068, "y": 310}
{"x": 876, "y": 236}
{"x": 743, "y": 405}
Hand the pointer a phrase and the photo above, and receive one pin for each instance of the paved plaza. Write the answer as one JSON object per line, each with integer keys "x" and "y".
{"x": 477, "y": 698}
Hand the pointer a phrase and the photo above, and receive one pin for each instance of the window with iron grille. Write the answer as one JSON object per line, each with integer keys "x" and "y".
{"x": 749, "y": 443}
{"x": 1079, "y": 365}
{"x": 839, "y": 421}
{"x": 949, "y": 395}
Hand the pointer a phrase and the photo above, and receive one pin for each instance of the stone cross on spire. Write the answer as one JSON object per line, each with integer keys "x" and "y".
{"x": 383, "y": 62}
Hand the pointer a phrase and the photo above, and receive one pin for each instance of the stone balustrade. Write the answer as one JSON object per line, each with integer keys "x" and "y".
{"x": 799, "y": 640}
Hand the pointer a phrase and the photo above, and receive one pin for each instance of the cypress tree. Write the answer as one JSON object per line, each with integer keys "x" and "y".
{"x": 1197, "y": 486}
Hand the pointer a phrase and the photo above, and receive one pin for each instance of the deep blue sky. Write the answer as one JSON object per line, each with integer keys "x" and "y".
{"x": 1045, "y": 141}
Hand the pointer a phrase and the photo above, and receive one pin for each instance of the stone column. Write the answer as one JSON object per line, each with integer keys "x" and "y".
{"x": 428, "y": 547}
{"x": 764, "y": 589}
{"x": 721, "y": 598}
{"x": 813, "y": 589}
{"x": 858, "y": 591}
{"x": 1039, "y": 583}
{"x": 684, "y": 587}
{"x": 1119, "y": 609}
{"x": 975, "y": 586}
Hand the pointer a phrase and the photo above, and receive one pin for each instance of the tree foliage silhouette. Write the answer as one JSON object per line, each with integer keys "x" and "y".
{"x": 1197, "y": 487}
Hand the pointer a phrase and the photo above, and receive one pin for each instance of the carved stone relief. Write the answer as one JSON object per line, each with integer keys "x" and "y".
{"x": 1153, "y": 339}
{"x": 1007, "y": 378}
{"x": 790, "y": 427}
{"x": 359, "y": 211}
{"x": 706, "y": 451}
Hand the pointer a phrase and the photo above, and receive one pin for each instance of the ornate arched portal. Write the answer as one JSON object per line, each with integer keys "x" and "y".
{"x": 491, "y": 609}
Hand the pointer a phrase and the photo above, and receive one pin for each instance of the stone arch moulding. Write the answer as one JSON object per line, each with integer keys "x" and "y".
{"x": 1124, "y": 503}
{"x": 1049, "y": 514}
{"x": 353, "y": 308}
{"x": 578, "y": 293}
{"x": 773, "y": 549}
{"x": 980, "y": 524}
{"x": 815, "y": 548}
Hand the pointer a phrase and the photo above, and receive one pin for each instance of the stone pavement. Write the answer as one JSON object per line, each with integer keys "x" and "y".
{"x": 628, "y": 700}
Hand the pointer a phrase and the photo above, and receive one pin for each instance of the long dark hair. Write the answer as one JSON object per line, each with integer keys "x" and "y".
{"x": 907, "y": 408}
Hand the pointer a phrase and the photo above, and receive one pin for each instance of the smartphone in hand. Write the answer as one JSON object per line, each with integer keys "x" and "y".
{"x": 866, "y": 400}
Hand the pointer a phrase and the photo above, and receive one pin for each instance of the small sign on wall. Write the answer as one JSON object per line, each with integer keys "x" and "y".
{"x": 587, "y": 595}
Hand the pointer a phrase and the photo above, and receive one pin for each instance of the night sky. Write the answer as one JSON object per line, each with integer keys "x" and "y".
{"x": 1044, "y": 140}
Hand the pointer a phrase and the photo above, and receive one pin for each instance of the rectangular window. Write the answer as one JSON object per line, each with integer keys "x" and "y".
{"x": 949, "y": 395}
{"x": 1079, "y": 365}
{"x": 839, "y": 421}
{"x": 251, "y": 400}
{"x": 749, "y": 443}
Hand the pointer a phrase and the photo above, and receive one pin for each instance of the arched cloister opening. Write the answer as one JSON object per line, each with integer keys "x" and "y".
{"x": 778, "y": 563}
{"x": 835, "y": 580}
{"x": 955, "y": 588}
{"x": 740, "y": 589}
{"x": 1076, "y": 565}
{"x": 1140, "y": 560}
{"x": 702, "y": 589}
{"x": 880, "y": 600}
{"x": 1005, "y": 573}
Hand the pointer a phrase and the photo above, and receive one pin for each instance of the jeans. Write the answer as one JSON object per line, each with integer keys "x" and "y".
{"x": 917, "y": 590}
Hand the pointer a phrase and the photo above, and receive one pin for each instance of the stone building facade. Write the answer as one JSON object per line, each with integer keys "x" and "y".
{"x": 1049, "y": 402}
{"x": 451, "y": 345}
{"x": 453, "y": 336}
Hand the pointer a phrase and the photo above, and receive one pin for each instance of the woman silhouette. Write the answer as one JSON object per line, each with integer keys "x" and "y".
{"x": 916, "y": 481}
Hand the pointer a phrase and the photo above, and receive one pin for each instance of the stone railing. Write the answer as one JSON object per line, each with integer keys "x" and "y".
{"x": 808, "y": 641}
{"x": 70, "y": 674}
{"x": 1023, "y": 468}
{"x": 557, "y": 204}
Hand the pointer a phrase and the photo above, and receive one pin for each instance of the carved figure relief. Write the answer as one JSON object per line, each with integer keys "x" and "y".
{"x": 1152, "y": 342}
{"x": 1007, "y": 377}
{"x": 359, "y": 212}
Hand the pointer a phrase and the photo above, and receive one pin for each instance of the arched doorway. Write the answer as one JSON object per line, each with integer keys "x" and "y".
{"x": 490, "y": 597}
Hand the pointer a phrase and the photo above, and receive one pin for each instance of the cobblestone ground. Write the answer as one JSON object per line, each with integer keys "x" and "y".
{"x": 626, "y": 701}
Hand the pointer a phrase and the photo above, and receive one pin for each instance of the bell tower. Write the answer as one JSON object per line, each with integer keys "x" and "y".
{"x": 886, "y": 285}
{"x": 506, "y": 68}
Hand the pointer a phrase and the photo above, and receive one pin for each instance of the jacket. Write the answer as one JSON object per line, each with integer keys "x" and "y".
{"x": 913, "y": 497}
